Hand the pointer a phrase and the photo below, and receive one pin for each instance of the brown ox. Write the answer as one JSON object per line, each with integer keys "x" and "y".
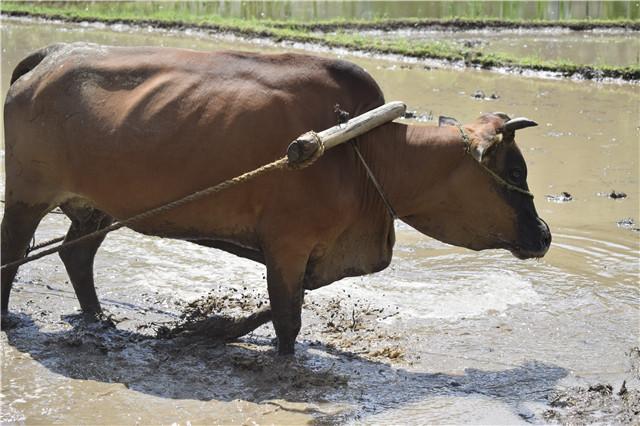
{"x": 108, "y": 132}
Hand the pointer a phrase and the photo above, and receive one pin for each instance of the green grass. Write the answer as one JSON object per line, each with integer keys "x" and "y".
{"x": 141, "y": 13}
{"x": 460, "y": 23}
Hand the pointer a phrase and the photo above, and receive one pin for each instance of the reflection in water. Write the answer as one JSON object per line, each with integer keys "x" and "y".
{"x": 483, "y": 333}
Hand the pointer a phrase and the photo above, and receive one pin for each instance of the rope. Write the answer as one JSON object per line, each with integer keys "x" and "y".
{"x": 375, "y": 182}
{"x": 498, "y": 178}
{"x": 44, "y": 244}
{"x": 282, "y": 163}
{"x": 319, "y": 152}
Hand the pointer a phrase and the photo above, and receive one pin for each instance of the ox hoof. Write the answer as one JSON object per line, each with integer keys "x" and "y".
{"x": 286, "y": 348}
{"x": 106, "y": 320}
{"x": 94, "y": 319}
{"x": 8, "y": 321}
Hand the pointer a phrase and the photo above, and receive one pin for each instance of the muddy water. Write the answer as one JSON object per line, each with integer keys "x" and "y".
{"x": 444, "y": 335}
{"x": 600, "y": 47}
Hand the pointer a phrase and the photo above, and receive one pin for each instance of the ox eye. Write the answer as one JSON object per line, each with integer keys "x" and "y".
{"x": 515, "y": 174}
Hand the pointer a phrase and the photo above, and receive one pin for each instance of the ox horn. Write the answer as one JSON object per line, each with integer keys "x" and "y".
{"x": 502, "y": 115}
{"x": 517, "y": 123}
{"x": 447, "y": 121}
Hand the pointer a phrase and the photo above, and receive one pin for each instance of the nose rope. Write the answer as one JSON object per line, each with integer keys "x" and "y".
{"x": 498, "y": 178}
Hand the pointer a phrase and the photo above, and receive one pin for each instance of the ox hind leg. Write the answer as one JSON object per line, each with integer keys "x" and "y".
{"x": 78, "y": 259}
{"x": 19, "y": 223}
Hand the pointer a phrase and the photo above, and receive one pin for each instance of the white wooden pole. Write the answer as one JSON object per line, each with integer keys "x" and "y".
{"x": 303, "y": 147}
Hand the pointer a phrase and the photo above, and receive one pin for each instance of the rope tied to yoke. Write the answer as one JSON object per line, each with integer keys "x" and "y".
{"x": 319, "y": 152}
{"x": 280, "y": 164}
{"x": 467, "y": 144}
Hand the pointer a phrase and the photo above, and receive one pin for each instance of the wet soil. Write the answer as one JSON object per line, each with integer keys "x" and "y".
{"x": 346, "y": 356}
{"x": 341, "y": 347}
{"x": 598, "y": 402}
{"x": 339, "y": 323}
{"x": 594, "y": 404}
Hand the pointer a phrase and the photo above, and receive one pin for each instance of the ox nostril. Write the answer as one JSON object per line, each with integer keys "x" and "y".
{"x": 545, "y": 232}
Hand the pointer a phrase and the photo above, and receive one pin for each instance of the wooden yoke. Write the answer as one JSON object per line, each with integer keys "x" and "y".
{"x": 305, "y": 146}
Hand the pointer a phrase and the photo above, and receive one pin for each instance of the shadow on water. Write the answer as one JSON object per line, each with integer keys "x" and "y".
{"x": 194, "y": 368}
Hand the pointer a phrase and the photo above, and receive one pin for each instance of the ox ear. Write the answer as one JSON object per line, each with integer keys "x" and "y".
{"x": 517, "y": 124}
{"x": 447, "y": 121}
{"x": 479, "y": 148}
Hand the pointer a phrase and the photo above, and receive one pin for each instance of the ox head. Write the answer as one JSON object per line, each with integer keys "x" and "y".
{"x": 485, "y": 202}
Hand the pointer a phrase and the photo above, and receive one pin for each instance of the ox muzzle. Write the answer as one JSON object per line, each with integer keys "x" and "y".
{"x": 534, "y": 239}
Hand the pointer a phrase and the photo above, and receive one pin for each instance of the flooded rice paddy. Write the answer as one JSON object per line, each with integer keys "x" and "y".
{"x": 596, "y": 47}
{"x": 444, "y": 335}
{"x": 314, "y": 10}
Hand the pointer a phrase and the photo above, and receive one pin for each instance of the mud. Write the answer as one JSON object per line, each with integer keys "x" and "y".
{"x": 215, "y": 315}
{"x": 594, "y": 404}
{"x": 598, "y": 402}
{"x": 338, "y": 324}
{"x": 343, "y": 347}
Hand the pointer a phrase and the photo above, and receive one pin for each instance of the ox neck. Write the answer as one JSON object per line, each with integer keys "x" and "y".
{"x": 411, "y": 164}
{"x": 374, "y": 181}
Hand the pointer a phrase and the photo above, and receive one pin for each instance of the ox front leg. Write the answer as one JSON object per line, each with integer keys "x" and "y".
{"x": 285, "y": 274}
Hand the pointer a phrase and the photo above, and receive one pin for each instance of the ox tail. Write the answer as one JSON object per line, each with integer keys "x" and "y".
{"x": 32, "y": 61}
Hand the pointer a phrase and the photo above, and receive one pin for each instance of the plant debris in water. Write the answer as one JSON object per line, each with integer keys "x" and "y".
{"x": 628, "y": 223}
{"x": 613, "y": 194}
{"x": 479, "y": 94}
{"x": 563, "y": 197}
{"x": 419, "y": 116}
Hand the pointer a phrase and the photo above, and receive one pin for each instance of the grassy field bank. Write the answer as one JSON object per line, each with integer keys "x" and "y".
{"x": 340, "y": 34}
